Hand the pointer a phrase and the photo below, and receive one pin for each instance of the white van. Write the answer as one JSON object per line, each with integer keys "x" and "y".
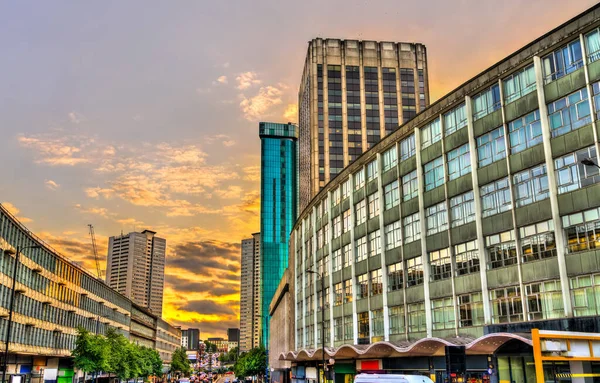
{"x": 391, "y": 378}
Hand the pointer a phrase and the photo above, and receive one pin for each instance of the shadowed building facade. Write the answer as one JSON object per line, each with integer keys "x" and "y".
{"x": 352, "y": 94}
{"x": 278, "y": 204}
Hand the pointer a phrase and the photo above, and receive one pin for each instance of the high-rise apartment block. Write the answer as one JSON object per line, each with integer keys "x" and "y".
{"x": 250, "y": 294}
{"x": 190, "y": 339}
{"x": 136, "y": 268}
{"x": 278, "y": 204}
{"x": 352, "y": 94}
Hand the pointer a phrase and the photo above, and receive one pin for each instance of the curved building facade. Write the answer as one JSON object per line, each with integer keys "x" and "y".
{"x": 475, "y": 217}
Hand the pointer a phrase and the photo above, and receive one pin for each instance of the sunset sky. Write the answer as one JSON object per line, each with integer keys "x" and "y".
{"x": 144, "y": 114}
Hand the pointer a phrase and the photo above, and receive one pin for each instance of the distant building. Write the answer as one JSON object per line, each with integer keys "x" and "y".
{"x": 136, "y": 268}
{"x": 250, "y": 322}
{"x": 190, "y": 339}
{"x": 233, "y": 334}
{"x": 352, "y": 94}
{"x": 278, "y": 204}
{"x": 221, "y": 343}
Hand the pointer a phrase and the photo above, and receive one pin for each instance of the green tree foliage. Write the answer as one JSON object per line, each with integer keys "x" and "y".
{"x": 90, "y": 354}
{"x": 114, "y": 354}
{"x": 180, "y": 362}
{"x": 252, "y": 363}
{"x": 210, "y": 347}
{"x": 229, "y": 357}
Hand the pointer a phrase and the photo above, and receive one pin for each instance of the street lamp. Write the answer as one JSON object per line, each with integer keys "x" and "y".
{"x": 12, "y": 301}
{"x": 589, "y": 162}
{"x": 320, "y": 276}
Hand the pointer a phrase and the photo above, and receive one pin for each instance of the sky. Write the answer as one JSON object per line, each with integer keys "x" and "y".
{"x": 138, "y": 114}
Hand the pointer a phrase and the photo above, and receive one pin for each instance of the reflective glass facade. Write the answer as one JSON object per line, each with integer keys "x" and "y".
{"x": 278, "y": 202}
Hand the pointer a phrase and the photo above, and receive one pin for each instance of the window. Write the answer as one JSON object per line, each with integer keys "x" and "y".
{"x": 502, "y": 249}
{"x": 585, "y": 295}
{"x": 455, "y": 119}
{"x": 359, "y": 179}
{"x": 347, "y": 255}
{"x": 437, "y": 218}
{"x": 544, "y": 300}
{"x": 362, "y": 286}
{"x": 373, "y": 200}
{"x": 319, "y": 239}
{"x": 360, "y": 211}
{"x": 376, "y": 282}
{"x": 440, "y": 264}
{"x": 347, "y": 286}
{"x": 470, "y": 310}
{"x": 372, "y": 170}
{"x": 569, "y": 113}
{"x": 360, "y": 249}
{"x": 337, "y": 226}
{"x": 519, "y": 84}
{"x": 346, "y": 188}
{"x": 537, "y": 241}
{"x": 431, "y": 133}
{"x": 416, "y": 317}
{"x": 348, "y": 327}
{"x": 337, "y": 260}
{"x": 462, "y": 209}
{"x": 325, "y": 265}
{"x": 467, "y": 258}
{"x": 495, "y": 197}
{"x": 592, "y": 45}
{"x": 434, "y": 173}
{"x": 582, "y": 230}
{"x": 389, "y": 158}
{"x": 346, "y": 221}
{"x": 442, "y": 312}
{"x": 374, "y": 243}
{"x": 335, "y": 197}
{"x": 339, "y": 294}
{"x": 506, "y": 305}
{"x": 412, "y": 228}
{"x": 338, "y": 329}
{"x": 491, "y": 147}
{"x": 377, "y": 321}
{"x": 459, "y": 162}
{"x": 396, "y": 316}
{"x": 391, "y": 195}
{"x": 486, "y": 102}
{"x": 571, "y": 174}
{"x": 525, "y": 132}
{"x": 410, "y": 186}
{"x": 326, "y": 234}
{"x": 393, "y": 236}
{"x": 363, "y": 328}
{"x": 395, "y": 276}
{"x": 414, "y": 271}
{"x": 407, "y": 147}
{"x": 562, "y": 61}
{"x": 531, "y": 185}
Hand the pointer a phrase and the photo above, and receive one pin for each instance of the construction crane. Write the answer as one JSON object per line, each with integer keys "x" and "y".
{"x": 93, "y": 236}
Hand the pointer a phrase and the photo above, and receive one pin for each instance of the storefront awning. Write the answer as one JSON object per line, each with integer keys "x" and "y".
{"x": 486, "y": 345}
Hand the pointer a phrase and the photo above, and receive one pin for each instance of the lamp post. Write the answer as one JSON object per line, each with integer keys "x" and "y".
{"x": 12, "y": 301}
{"x": 589, "y": 162}
{"x": 320, "y": 276}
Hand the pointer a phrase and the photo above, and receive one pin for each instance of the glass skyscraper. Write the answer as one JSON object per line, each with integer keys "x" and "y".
{"x": 278, "y": 203}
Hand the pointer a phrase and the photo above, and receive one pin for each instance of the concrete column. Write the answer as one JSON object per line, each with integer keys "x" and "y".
{"x": 386, "y": 320}
{"x": 329, "y": 281}
{"x": 353, "y": 257}
{"x": 363, "y": 106}
{"x": 553, "y": 190}
{"x": 487, "y": 313}
{"x": 590, "y": 92}
{"x": 325, "y": 121}
{"x": 314, "y": 267}
{"x": 344, "y": 107}
{"x": 424, "y": 255}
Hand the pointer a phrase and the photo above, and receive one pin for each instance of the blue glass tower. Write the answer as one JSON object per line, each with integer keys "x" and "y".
{"x": 278, "y": 204}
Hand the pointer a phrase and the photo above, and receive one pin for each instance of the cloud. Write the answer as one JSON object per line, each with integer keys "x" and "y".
{"x": 51, "y": 185}
{"x": 230, "y": 193}
{"x": 226, "y": 65}
{"x": 76, "y": 118}
{"x": 12, "y": 209}
{"x": 291, "y": 113}
{"x": 247, "y": 79}
{"x": 252, "y": 173}
{"x": 204, "y": 256}
{"x": 258, "y": 106}
{"x": 99, "y": 192}
{"x": 79, "y": 249}
{"x": 222, "y": 80}
{"x": 206, "y": 307}
{"x": 203, "y": 90}
{"x": 67, "y": 151}
{"x": 224, "y": 139}
{"x": 130, "y": 222}
{"x": 101, "y": 211}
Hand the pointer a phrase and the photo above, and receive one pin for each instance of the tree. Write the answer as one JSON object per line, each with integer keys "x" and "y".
{"x": 90, "y": 353}
{"x": 254, "y": 362}
{"x": 119, "y": 358}
{"x": 180, "y": 362}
